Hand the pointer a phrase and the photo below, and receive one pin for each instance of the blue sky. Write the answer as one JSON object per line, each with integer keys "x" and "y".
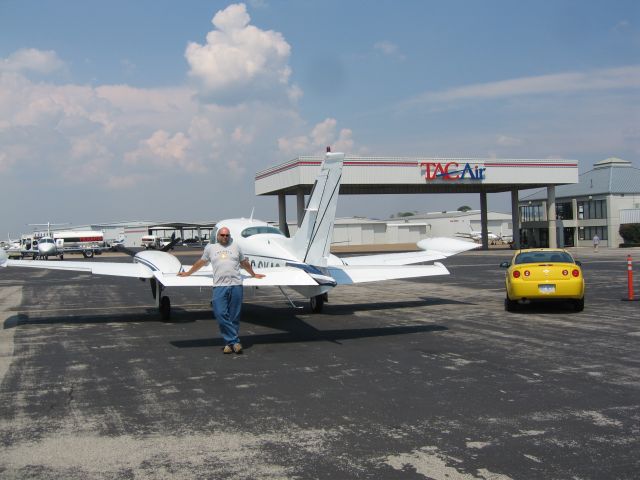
{"x": 148, "y": 110}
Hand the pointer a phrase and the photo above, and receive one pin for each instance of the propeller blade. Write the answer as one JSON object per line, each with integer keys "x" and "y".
{"x": 170, "y": 245}
{"x": 123, "y": 249}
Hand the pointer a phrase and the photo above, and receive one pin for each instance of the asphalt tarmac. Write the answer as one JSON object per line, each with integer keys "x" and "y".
{"x": 406, "y": 379}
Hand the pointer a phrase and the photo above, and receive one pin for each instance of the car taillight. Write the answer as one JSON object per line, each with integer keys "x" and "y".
{"x": 527, "y": 273}
{"x": 516, "y": 274}
{"x": 565, "y": 272}
{"x": 575, "y": 272}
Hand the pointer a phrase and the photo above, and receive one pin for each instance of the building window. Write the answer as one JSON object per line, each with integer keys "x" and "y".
{"x": 587, "y": 233}
{"x": 564, "y": 211}
{"x": 592, "y": 209}
{"x": 531, "y": 213}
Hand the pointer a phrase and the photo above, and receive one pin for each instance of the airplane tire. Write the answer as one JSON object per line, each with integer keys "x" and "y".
{"x": 316, "y": 303}
{"x": 61, "y": 257}
{"x": 165, "y": 309}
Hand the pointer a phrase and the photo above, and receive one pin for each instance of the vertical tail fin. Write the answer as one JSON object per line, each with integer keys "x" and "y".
{"x": 312, "y": 240}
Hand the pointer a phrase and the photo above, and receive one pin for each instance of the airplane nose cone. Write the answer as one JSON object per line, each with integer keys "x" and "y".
{"x": 46, "y": 248}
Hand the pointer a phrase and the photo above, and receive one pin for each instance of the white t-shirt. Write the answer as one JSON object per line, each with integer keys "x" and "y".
{"x": 225, "y": 263}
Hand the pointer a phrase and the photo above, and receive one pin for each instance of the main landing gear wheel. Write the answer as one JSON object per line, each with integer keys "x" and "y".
{"x": 165, "y": 309}
{"x": 316, "y": 303}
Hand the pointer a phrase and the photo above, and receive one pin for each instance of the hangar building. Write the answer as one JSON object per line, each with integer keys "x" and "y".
{"x": 405, "y": 232}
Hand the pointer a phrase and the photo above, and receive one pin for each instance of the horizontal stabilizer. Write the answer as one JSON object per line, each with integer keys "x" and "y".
{"x": 349, "y": 274}
{"x": 432, "y": 249}
{"x": 405, "y": 258}
{"x": 446, "y": 246}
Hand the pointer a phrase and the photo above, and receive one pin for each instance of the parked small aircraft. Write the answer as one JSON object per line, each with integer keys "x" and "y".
{"x": 302, "y": 263}
{"x": 476, "y": 235}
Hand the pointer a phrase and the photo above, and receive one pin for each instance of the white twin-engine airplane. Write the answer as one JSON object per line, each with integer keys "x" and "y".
{"x": 476, "y": 235}
{"x": 302, "y": 263}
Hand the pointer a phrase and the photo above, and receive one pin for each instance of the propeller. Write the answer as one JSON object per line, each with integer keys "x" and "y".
{"x": 170, "y": 245}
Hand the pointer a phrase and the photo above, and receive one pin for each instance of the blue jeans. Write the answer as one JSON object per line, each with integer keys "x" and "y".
{"x": 227, "y": 303}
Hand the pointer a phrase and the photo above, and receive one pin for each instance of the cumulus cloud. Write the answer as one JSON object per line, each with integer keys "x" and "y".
{"x": 83, "y": 138}
{"x": 31, "y": 60}
{"x": 241, "y": 62}
{"x": 166, "y": 151}
{"x": 324, "y": 134}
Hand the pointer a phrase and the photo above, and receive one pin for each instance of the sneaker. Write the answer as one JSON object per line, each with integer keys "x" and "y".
{"x": 237, "y": 348}
{"x": 227, "y": 349}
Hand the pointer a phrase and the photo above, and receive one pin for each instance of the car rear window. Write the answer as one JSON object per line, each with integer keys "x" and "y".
{"x": 543, "y": 257}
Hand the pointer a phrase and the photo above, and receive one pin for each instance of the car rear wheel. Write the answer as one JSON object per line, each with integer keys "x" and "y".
{"x": 578, "y": 305}
{"x": 510, "y": 305}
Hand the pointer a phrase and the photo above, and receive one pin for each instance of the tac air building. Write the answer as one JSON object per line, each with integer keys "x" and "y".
{"x": 605, "y": 198}
{"x": 423, "y": 175}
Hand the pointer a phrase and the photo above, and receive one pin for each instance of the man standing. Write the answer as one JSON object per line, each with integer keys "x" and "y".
{"x": 226, "y": 258}
{"x": 596, "y": 242}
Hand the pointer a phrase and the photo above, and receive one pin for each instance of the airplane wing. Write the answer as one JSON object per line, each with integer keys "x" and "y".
{"x": 349, "y": 274}
{"x": 432, "y": 249}
{"x": 274, "y": 277}
{"x": 135, "y": 270}
{"x": 277, "y": 276}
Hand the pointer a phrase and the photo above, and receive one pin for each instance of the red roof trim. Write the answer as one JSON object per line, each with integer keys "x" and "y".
{"x": 305, "y": 163}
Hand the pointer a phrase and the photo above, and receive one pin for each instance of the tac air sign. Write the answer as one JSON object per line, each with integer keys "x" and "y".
{"x": 452, "y": 171}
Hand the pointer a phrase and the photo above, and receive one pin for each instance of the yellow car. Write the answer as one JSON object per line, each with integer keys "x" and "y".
{"x": 543, "y": 274}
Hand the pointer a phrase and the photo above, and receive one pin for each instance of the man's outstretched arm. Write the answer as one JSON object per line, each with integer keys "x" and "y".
{"x": 247, "y": 266}
{"x": 194, "y": 268}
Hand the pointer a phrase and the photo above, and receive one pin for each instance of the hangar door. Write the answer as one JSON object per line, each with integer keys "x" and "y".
{"x": 411, "y": 233}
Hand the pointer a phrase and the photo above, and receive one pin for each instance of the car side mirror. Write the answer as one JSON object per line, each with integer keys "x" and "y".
{"x": 579, "y": 263}
{"x": 505, "y": 264}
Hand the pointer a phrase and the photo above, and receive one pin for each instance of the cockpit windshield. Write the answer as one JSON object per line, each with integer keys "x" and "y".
{"x": 46, "y": 240}
{"x": 247, "y": 232}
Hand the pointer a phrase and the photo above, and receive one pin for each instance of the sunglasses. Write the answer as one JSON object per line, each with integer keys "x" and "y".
{"x": 224, "y": 235}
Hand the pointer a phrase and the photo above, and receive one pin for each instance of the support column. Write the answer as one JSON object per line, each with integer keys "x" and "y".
{"x": 282, "y": 213}
{"x": 483, "y": 220}
{"x": 551, "y": 215}
{"x": 574, "y": 210}
{"x": 300, "y": 200}
{"x": 515, "y": 218}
